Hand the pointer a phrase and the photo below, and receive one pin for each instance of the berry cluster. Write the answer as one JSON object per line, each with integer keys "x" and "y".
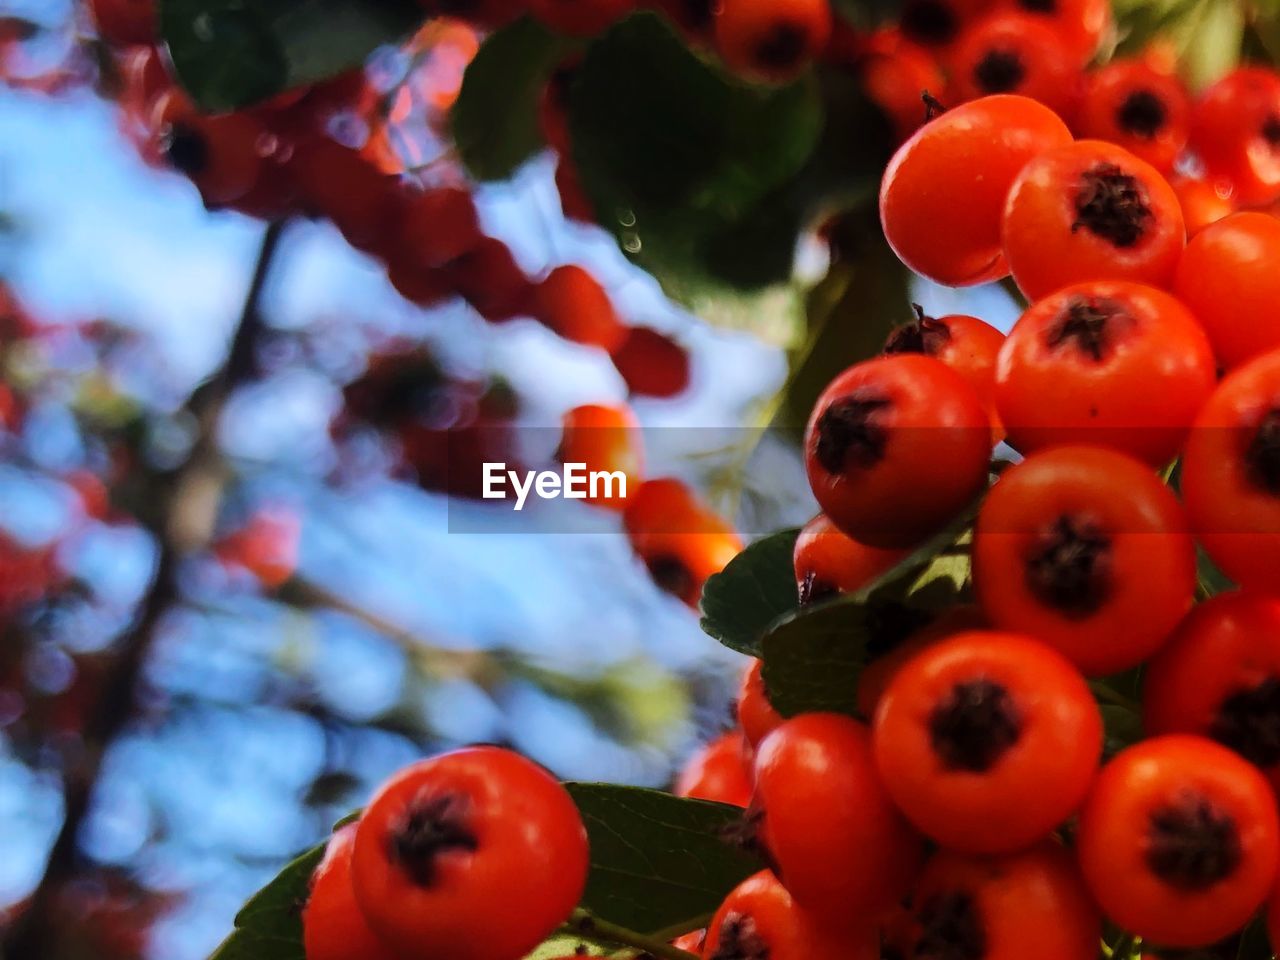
{"x": 983, "y": 737}
{"x": 294, "y": 155}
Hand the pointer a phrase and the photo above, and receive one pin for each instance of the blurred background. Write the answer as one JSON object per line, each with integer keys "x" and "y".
{"x": 225, "y": 612}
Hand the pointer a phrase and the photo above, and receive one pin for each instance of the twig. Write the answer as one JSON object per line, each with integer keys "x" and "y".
{"x": 37, "y": 930}
{"x": 603, "y": 933}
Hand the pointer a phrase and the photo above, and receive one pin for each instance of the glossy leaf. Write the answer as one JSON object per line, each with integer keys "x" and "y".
{"x": 751, "y": 593}
{"x": 233, "y": 53}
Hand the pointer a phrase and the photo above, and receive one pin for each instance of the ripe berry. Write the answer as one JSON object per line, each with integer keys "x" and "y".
{"x": 333, "y": 926}
{"x": 1085, "y": 549}
{"x": 884, "y": 666}
{"x": 836, "y": 840}
{"x": 447, "y": 839}
{"x": 943, "y": 194}
{"x": 1231, "y": 475}
{"x": 756, "y": 714}
{"x": 124, "y": 23}
{"x": 771, "y": 39}
{"x": 335, "y": 181}
{"x": 489, "y": 278}
{"x": 1178, "y": 840}
{"x": 760, "y": 920}
{"x": 574, "y": 202}
{"x": 987, "y": 741}
{"x": 1112, "y": 363}
{"x": 896, "y": 446}
{"x": 220, "y": 155}
{"x": 1135, "y": 106}
{"x": 992, "y": 907}
{"x": 651, "y": 363}
{"x": 680, "y": 540}
{"x": 1091, "y": 211}
{"x": 935, "y": 24}
{"x": 1235, "y": 130}
{"x": 420, "y": 286}
{"x": 605, "y": 439}
{"x": 437, "y": 225}
{"x": 719, "y": 771}
{"x": 553, "y": 106}
{"x": 893, "y": 75}
{"x": 1219, "y": 676}
{"x": 828, "y": 562}
{"x": 1012, "y": 53}
{"x": 571, "y": 302}
{"x": 967, "y": 345}
{"x": 1081, "y": 24}
{"x": 1227, "y": 278}
{"x": 1203, "y": 202}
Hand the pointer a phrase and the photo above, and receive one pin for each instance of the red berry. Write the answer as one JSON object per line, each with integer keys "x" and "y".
{"x": 943, "y": 194}
{"x": 895, "y": 448}
{"x": 651, "y": 363}
{"x": 448, "y": 839}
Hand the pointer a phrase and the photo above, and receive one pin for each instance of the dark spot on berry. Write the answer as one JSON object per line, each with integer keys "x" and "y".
{"x": 925, "y": 335}
{"x": 1069, "y": 567}
{"x": 1271, "y": 131}
{"x": 429, "y": 827}
{"x": 185, "y": 149}
{"x": 1142, "y": 114}
{"x": 1191, "y": 844}
{"x": 740, "y": 940}
{"x": 850, "y": 435}
{"x": 929, "y": 22}
{"x": 671, "y": 575}
{"x": 950, "y": 928}
{"x": 745, "y": 833}
{"x": 1089, "y": 325}
{"x": 812, "y": 589}
{"x": 784, "y": 47}
{"x": 1262, "y": 456}
{"x": 1113, "y": 205}
{"x": 974, "y": 725}
{"x": 999, "y": 71}
{"x": 1248, "y": 721}
{"x": 1039, "y": 6}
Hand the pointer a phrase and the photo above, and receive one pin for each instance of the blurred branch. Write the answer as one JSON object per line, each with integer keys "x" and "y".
{"x": 186, "y": 494}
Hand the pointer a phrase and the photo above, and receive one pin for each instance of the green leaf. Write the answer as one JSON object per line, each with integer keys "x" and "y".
{"x": 495, "y": 120}
{"x": 269, "y": 927}
{"x": 658, "y": 863}
{"x": 1254, "y": 943}
{"x": 682, "y": 162}
{"x": 1122, "y": 727}
{"x": 813, "y": 657}
{"x": 756, "y": 588}
{"x": 1210, "y": 581}
{"x": 812, "y": 662}
{"x": 233, "y": 53}
{"x": 850, "y": 314}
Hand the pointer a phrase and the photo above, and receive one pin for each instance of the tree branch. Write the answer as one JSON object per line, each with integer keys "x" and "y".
{"x": 35, "y": 933}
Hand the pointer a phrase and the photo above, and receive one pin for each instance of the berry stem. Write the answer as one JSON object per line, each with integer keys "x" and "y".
{"x": 603, "y": 933}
